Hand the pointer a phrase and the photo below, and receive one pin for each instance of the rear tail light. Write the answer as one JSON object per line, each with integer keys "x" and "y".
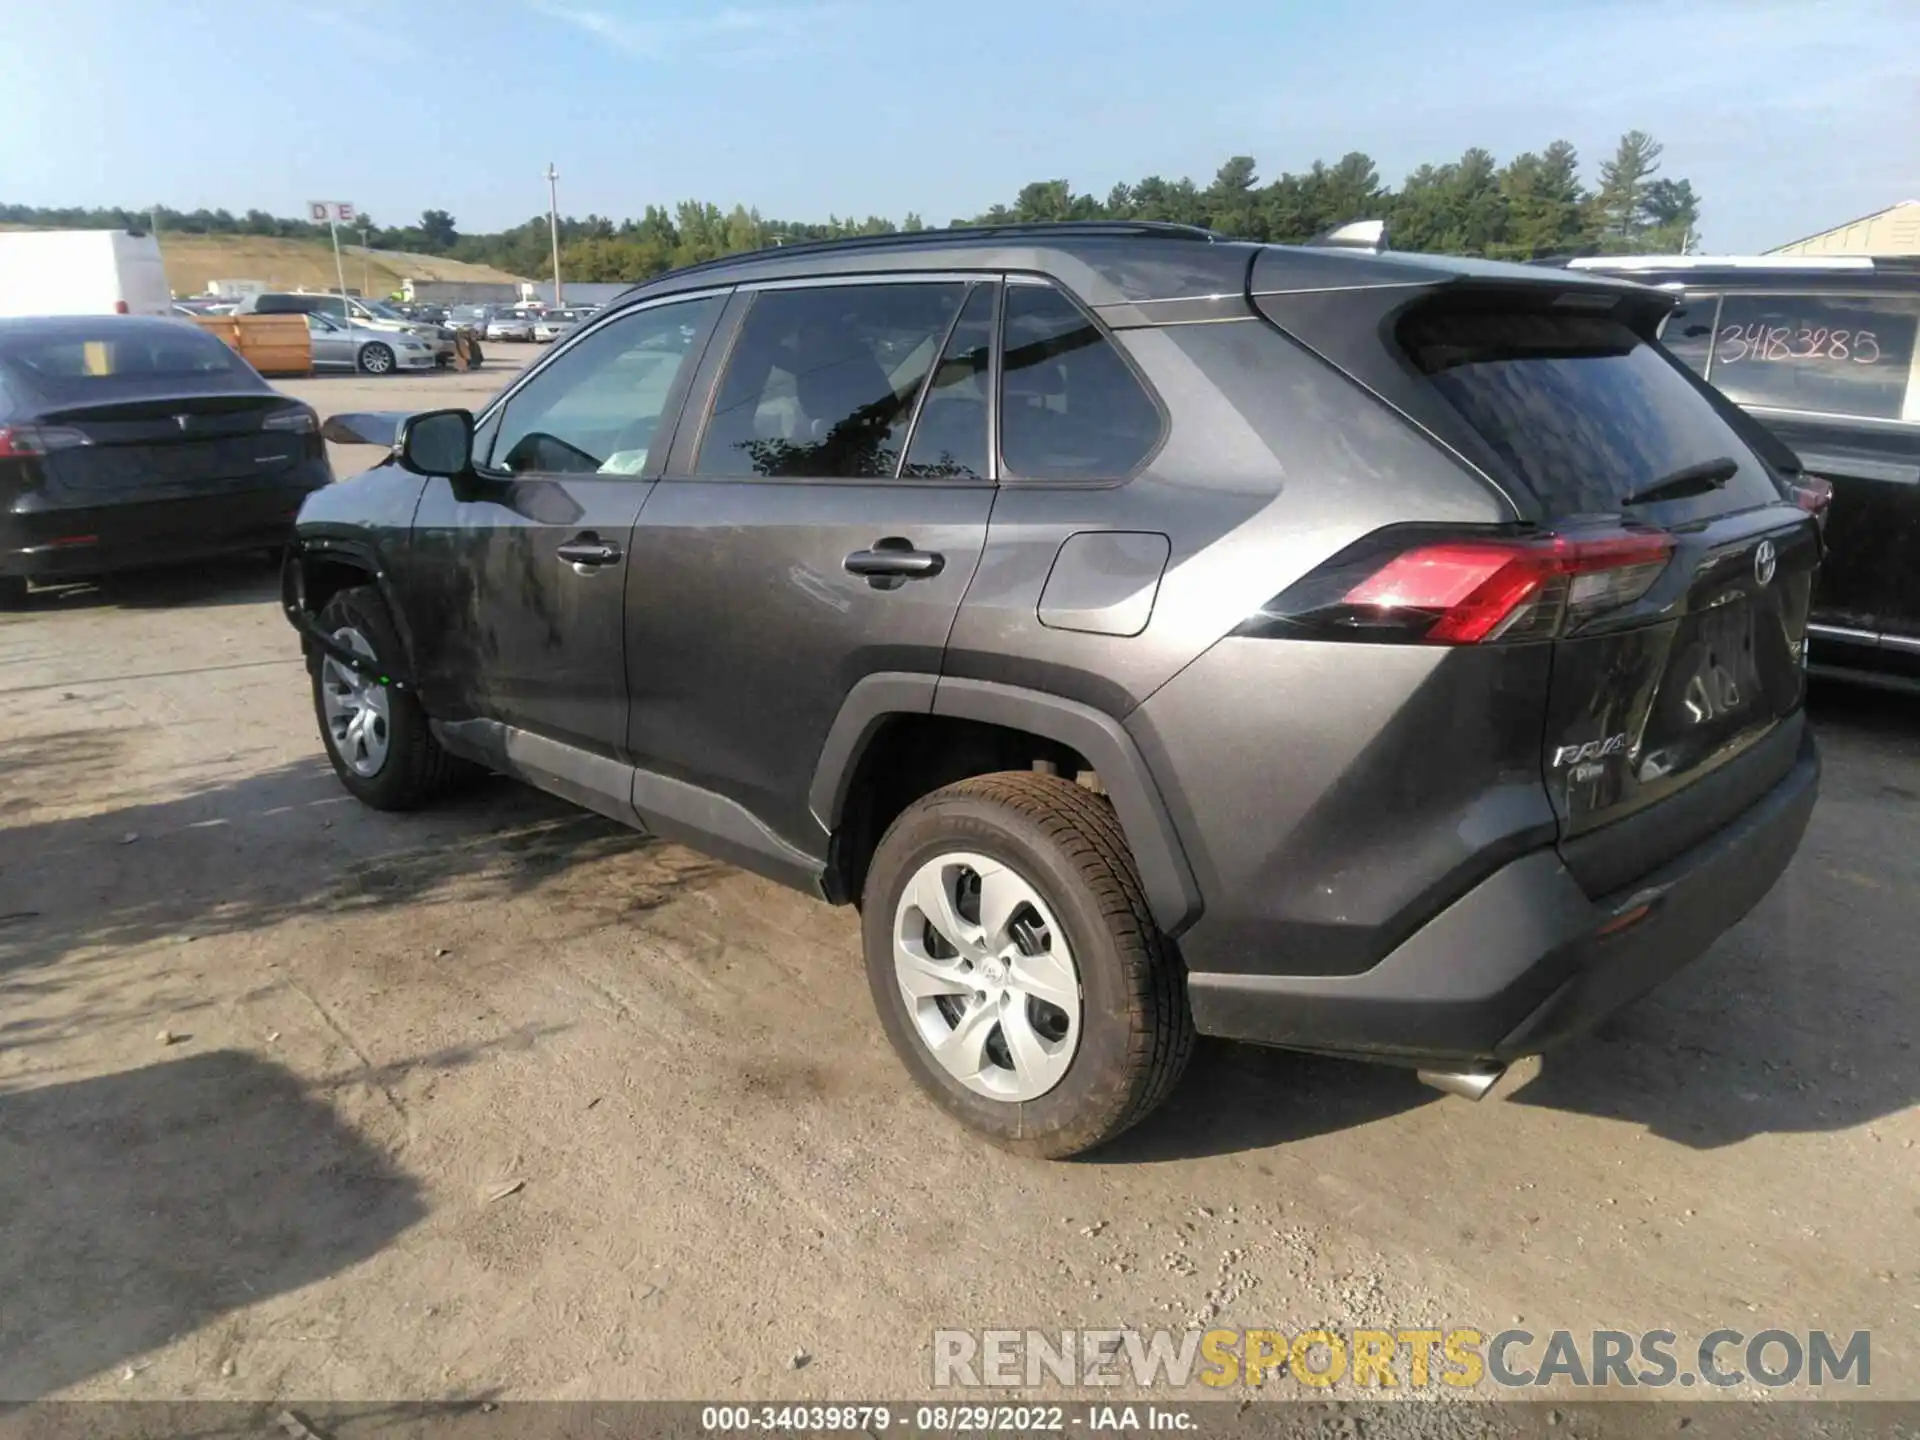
{"x": 1812, "y": 494}
{"x": 296, "y": 419}
{"x": 120, "y": 308}
{"x": 1410, "y": 588}
{"x": 22, "y": 440}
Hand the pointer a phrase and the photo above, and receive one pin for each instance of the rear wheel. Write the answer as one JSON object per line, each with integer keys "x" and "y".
{"x": 1016, "y": 968}
{"x": 376, "y": 736}
{"x": 376, "y": 358}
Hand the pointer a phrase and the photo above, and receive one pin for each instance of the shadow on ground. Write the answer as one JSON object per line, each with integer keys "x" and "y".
{"x": 240, "y": 856}
{"x": 142, "y": 1205}
{"x": 235, "y": 580}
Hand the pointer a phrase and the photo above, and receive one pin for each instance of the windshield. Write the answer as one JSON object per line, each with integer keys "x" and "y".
{"x": 383, "y": 311}
{"x": 1582, "y": 410}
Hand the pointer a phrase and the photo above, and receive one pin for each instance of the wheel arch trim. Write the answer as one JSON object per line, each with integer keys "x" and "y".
{"x": 1171, "y": 892}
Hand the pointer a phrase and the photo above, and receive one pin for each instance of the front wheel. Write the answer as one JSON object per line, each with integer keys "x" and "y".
{"x": 376, "y": 736}
{"x": 1016, "y": 968}
{"x": 376, "y": 358}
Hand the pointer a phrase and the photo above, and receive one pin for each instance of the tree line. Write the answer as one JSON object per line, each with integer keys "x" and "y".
{"x": 1536, "y": 205}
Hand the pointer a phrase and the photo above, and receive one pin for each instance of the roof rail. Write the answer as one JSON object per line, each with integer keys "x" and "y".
{"x": 1036, "y": 229}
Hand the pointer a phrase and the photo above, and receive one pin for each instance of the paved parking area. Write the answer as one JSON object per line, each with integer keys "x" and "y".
{"x": 301, "y": 1099}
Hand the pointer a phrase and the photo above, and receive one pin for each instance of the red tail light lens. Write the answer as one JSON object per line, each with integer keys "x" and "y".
{"x": 1404, "y": 589}
{"x": 120, "y": 308}
{"x": 1813, "y": 495}
{"x": 17, "y": 441}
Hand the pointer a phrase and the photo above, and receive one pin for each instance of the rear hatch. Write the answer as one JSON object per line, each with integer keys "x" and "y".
{"x": 1653, "y": 551}
{"x": 154, "y": 411}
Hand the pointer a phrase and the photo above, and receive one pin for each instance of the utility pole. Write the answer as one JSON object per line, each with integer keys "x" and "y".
{"x": 553, "y": 224}
{"x": 366, "y": 257}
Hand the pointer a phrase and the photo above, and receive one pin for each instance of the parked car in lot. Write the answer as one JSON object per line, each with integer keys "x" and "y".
{"x": 509, "y": 325}
{"x": 555, "y": 323}
{"x": 344, "y": 345}
{"x": 1821, "y": 351}
{"x": 128, "y": 441}
{"x": 372, "y": 314}
{"x": 1391, "y": 656}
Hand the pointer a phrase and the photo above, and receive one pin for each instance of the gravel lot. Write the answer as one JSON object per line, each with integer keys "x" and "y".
{"x": 375, "y": 1025}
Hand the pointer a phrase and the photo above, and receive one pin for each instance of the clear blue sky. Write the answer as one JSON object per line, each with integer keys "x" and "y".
{"x": 1788, "y": 117}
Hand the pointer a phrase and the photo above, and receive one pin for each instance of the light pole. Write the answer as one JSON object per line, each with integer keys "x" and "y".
{"x": 553, "y": 224}
{"x": 366, "y": 258}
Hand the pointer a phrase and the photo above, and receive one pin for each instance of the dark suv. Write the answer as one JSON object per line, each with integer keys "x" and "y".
{"x": 1821, "y": 350}
{"x": 1384, "y": 655}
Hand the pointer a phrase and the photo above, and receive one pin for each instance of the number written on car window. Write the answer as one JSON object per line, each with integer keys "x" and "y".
{"x": 1825, "y": 354}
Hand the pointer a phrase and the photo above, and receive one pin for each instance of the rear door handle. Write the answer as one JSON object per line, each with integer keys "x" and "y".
{"x": 895, "y": 559}
{"x": 588, "y": 551}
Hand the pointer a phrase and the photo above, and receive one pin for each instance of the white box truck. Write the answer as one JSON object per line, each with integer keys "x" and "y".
{"x": 82, "y": 272}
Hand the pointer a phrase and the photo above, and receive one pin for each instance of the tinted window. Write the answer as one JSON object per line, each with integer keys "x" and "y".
{"x": 950, "y": 439}
{"x": 1071, "y": 408}
{"x": 102, "y": 358}
{"x": 1582, "y": 410}
{"x": 1833, "y": 354}
{"x": 279, "y": 305}
{"x": 595, "y": 408}
{"x": 822, "y": 382}
{"x": 1688, "y": 331}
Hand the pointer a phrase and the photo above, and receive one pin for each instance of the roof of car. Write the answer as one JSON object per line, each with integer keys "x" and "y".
{"x": 89, "y": 327}
{"x": 1875, "y": 272}
{"x": 1104, "y": 262}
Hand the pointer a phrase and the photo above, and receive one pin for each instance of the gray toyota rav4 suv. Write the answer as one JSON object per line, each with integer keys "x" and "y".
{"x": 1385, "y": 655}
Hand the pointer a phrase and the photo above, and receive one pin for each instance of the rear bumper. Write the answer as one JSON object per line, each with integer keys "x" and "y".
{"x": 67, "y": 543}
{"x": 1524, "y": 959}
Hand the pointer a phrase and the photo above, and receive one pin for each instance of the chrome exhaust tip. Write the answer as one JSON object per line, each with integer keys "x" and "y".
{"x": 1468, "y": 1084}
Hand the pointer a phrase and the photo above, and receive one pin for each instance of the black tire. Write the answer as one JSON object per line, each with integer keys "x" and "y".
{"x": 1136, "y": 1031}
{"x": 13, "y": 592}
{"x": 376, "y": 358}
{"x": 416, "y": 769}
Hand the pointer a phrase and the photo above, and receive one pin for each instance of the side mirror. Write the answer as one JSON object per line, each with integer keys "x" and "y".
{"x": 437, "y": 442}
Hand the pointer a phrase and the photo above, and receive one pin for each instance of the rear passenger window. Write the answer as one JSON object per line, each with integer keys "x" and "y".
{"x": 822, "y": 381}
{"x": 1830, "y": 354}
{"x": 1688, "y": 331}
{"x": 1071, "y": 407}
{"x": 950, "y": 438}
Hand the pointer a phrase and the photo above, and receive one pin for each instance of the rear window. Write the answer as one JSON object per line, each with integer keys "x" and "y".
{"x": 1583, "y": 412}
{"x": 1828, "y": 354}
{"x": 102, "y": 358}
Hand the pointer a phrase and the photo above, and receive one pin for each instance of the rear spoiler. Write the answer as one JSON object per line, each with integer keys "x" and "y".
{"x": 1354, "y": 235}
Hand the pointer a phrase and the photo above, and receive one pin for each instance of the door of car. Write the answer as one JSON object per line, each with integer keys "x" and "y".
{"x": 820, "y": 525}
{"x": 516, "y": 572}
{"x": 332, "y": 344}
{"x": 1837, "y": 377}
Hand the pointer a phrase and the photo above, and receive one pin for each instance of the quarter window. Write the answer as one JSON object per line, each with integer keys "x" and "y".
{"x": 594, "y": 410}
{"x": 1071, "y": 407}
{"x": 822, "y": 381}
{"x": 1830, "y": 354}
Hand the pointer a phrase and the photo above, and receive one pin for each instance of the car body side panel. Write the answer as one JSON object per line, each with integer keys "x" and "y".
{"x": 1272, "y": 462}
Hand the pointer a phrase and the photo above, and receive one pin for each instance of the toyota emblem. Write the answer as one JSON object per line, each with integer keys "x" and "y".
{"x": 1765, "y": 562}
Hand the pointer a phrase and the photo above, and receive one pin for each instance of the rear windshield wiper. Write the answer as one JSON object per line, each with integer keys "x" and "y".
{"x": 1687, "y": 480}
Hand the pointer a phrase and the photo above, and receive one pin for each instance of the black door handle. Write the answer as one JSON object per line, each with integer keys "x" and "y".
{"x": 588, "y": 550}
{"x": 895, "y": 559}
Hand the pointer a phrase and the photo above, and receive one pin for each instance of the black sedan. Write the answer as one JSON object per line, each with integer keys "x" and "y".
{"x": 127, "y": 441}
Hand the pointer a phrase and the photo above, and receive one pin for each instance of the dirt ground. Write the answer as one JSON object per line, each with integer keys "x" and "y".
{"x": 297, "y": 1099}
